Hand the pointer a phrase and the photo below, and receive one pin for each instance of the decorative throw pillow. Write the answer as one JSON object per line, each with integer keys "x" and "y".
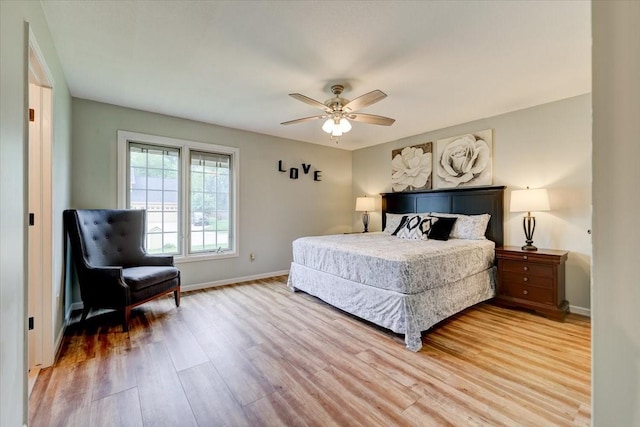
{"x": 401, "y": 225}
{"x": 441, "y": 228}
{"x": 393, "y": 221}
{"x": 415, "y": 227}
{"x": 472, "y": 227}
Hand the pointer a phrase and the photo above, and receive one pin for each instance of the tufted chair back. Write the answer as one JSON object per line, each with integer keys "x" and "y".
{"x": 110, "y": 237}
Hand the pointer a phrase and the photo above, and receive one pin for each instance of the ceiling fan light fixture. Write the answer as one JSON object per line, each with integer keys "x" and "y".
{"x": 336, "y": 126}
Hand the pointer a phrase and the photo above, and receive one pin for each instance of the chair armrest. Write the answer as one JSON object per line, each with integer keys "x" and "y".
{"x": 106, "y": 276}
{"x": 157, "y": 260}
{"x": 104, "y": 285}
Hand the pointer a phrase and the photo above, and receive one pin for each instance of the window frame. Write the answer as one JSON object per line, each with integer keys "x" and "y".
{"x": 185, "y": 147}
{"x": 189, "y": 161}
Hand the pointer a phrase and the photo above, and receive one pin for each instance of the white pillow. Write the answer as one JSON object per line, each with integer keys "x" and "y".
{"x": 415, "y": 227}
{"x": 394, "y": 220}
{"x": 470, "y": 227}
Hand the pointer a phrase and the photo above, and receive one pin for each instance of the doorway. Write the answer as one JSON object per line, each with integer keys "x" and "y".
{"x": 40, "y": 220}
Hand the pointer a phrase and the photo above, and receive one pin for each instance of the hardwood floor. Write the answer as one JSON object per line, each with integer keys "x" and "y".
{"x": 257, "y": 354}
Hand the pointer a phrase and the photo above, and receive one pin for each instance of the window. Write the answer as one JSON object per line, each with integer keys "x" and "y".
{"x": 153, "y": 185}
{"x": 209, "y": 202}
{"x": 188, "y": 189}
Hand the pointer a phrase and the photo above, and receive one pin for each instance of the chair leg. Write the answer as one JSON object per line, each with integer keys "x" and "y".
{"x": 176, "y": 296}
{"x": 85, "y": 313}
{"x": 127, "y": 316}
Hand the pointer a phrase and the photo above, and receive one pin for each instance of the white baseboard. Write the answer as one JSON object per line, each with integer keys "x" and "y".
{"x": 195, "y": 287}
{"x": 580, "y": 310}
{"x": 198, "y": 286}
{"x": 57, "y": 345}
{"x": 185, "y": 288}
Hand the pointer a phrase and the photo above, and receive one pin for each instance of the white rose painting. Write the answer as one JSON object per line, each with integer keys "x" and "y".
{"x": 464, "y": 161}
{"x": 411, "y": 168}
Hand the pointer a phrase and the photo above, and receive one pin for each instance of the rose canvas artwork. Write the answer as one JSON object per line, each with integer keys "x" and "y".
{"x": 464, "y": 160}
{"x": 411, "y": 167}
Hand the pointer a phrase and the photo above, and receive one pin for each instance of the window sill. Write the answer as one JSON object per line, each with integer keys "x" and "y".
{"x": 204, "y": 257}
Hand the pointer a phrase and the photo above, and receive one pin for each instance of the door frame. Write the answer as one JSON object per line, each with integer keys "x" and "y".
{"x": 40, "y": 75}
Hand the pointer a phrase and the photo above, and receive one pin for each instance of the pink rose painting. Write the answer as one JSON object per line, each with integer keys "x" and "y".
{"x": 411, "y": 167}
{"x": 464, "y": 161}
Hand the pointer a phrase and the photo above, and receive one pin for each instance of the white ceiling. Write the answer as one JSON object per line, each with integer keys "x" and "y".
{"x": 232, "y": 63}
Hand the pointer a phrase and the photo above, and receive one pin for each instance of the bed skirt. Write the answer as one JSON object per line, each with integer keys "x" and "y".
{"x": 407, "y": 314}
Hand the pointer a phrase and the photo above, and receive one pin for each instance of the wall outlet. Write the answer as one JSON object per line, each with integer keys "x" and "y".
{"x": 252, "y": 257}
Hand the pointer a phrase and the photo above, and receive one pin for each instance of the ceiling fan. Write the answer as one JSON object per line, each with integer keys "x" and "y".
{"x": 338, "y": 111}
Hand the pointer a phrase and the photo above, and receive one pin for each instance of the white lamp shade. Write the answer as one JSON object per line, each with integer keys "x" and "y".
{"x": 529, "y": 200}
{"x": 345, "y": 126}
{"x": 365, "y": 204}
{"x": 328, "y": 125}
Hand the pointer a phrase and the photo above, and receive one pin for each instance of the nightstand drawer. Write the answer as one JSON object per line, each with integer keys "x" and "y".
{"x": 526, "y": 279}
{"x": 528, "y": 268}
{"x": 529, "y": 293}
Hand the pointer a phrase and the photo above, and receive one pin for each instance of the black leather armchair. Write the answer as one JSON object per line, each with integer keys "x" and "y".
{"x": 113, "y": 267}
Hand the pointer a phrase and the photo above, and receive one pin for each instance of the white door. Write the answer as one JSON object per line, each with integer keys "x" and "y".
{"x": 40, "y": 240}
{"x": 35, "y": 283}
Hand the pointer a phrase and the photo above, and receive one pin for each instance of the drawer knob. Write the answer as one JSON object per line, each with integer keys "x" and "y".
{"x": 526, "y": 292}
{"x": 526, "y": 279}
{"x": 525, "y": 257}
{"x": 525, "y": 268}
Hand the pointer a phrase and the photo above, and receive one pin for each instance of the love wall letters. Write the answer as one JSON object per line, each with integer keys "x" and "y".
{"x": 294, "y": 173}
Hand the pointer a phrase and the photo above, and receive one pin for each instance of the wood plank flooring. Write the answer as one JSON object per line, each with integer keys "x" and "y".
{"x": 256, "y": 354}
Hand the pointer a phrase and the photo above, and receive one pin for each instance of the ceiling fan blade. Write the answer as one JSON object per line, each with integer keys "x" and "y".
{"x": 305, "y": 119}
{"x": 364, "y": 100}
{"x": 310, "y": 101}
{"x": 371, "y": 119}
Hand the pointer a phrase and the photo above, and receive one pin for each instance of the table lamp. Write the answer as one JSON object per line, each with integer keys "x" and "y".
{"x": 529, "y": 201}
{"x": 365, "y": 204}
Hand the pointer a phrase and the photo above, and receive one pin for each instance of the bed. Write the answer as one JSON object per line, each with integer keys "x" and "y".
{"x": 405, "y": 285}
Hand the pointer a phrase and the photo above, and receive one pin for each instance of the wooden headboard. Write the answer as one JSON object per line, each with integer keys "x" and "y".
{"x": 469, "y": 201}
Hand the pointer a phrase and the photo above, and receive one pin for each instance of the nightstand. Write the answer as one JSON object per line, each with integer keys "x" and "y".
{"x": 533, "y": 280}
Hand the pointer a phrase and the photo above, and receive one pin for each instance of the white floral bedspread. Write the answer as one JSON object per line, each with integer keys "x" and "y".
{"x": 388, "y": 262}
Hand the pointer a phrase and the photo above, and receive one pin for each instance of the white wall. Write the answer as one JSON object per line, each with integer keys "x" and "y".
{"x": 616, "y": 203}
{"x": 13, "y": 107}
{"x": 274, "y": 210}
{"x": 545, "y": 146}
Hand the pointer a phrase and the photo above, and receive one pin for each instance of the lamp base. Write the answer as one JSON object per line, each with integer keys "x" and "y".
{"x": 365, "y": 222}
{"x": 529, "y": 225}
